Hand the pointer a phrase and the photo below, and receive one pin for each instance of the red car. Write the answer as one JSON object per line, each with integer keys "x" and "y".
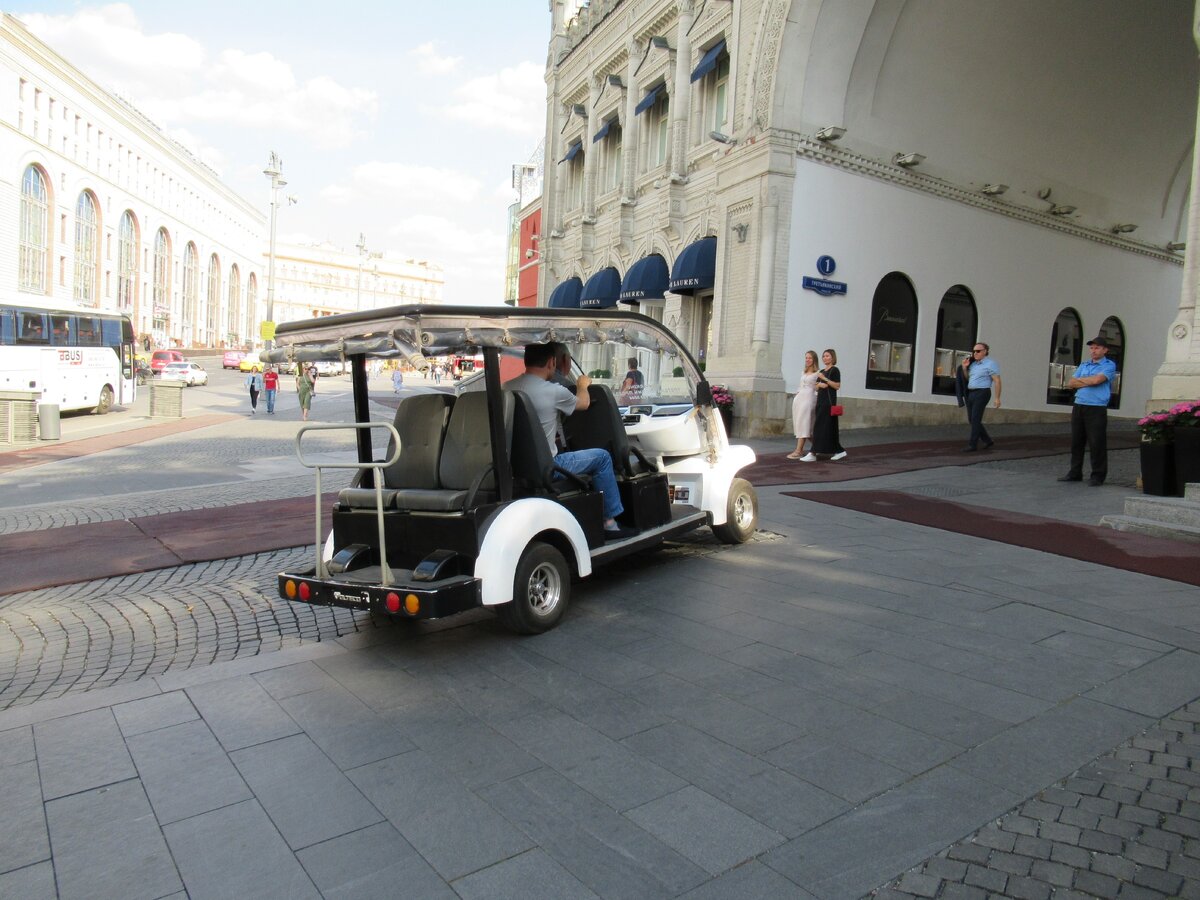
{"x": 162, "y": 358}
{"x": 232, "y": 358}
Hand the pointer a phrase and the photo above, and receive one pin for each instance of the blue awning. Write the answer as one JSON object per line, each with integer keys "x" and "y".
{"x": 696, "y": 268}
{"x": 601, "y": 290}
{"x": 649, "y": 100}
{"x": 646, "y": 280}
{"x": 566, "y": 295}
{"x": 599, "y": 135}
{"x": 709, "y": 61}
{"x": 572, "y": 151}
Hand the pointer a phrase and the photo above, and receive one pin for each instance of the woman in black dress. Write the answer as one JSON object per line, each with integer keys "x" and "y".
{"x": 825, "y": 426}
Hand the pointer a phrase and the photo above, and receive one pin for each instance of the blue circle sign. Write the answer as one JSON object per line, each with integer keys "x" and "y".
{"x": 826, "y": 265}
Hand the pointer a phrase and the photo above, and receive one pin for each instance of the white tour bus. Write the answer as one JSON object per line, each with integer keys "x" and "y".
{"x": 75, "y": 357}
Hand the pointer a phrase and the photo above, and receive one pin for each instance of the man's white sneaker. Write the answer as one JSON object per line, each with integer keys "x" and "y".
{"x": 838, "y": 456}
{"x": 808, "y": 457}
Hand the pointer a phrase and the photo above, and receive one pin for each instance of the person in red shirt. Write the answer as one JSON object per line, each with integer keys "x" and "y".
{"x": 270, "y": 387}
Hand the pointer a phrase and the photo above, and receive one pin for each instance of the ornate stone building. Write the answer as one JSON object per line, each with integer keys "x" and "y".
{"x": 895, "y": 179}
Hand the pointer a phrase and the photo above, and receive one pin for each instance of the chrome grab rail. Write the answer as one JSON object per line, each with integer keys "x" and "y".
{"x": 385, "y": 572}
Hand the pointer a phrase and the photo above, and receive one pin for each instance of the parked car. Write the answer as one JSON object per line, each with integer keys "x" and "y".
{"x": 189, "y": 373}
{"x": 232, "y": 359}
{"x": 327, "y": 367}
{"x": 251, "y": 362}
{"x": 162, "y": 358}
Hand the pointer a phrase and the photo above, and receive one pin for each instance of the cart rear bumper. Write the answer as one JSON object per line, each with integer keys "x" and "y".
{"x": 406, "y": 600}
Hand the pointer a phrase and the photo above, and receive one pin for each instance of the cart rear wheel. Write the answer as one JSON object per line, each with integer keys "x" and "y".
{"x": 541, "y": 591}
{"x": 741, "y": 513}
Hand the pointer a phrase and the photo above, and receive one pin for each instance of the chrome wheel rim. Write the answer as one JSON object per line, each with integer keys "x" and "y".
{"x": 743, "y": 512}
{"x": 545, "y": 589}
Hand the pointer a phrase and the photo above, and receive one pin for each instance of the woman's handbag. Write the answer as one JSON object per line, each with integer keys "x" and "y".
{"x": 837, "y": 409}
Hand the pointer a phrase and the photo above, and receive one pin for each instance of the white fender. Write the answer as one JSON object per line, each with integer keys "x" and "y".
{"x": 714, "y": 498}
{"x": 509, "y": 533}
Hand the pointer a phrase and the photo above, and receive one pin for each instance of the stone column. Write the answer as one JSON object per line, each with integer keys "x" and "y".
{"x": 1179, "y": 376}
{"x": 630, "y": 127}
{"x": 681, "y": 100}
{"x": 766, "y": 274}
{"x": 589, "y": 157}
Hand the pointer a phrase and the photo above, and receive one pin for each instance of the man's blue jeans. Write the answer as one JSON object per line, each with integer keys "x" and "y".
{"x": 598, "y": 464}
{"x": 270, "y": 401}
{"x": 977, "y": 401}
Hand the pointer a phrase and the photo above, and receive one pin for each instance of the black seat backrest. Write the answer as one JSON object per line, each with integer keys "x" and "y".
{"x": 421, "y": 423}
{"x": 600, "y": 425}
{"x": 467, "y": 450}
{"x": 532, "y": 462}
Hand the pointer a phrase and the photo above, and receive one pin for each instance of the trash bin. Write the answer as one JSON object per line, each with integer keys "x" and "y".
{"x": 166, "y": 399}
{"x": 49, "y": 425}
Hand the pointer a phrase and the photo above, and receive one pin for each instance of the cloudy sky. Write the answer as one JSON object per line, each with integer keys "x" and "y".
{"x": 398, "y": 119}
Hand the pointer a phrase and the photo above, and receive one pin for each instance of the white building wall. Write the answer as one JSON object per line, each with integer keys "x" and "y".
{"x": 1021, "y": 275}
{"x": 83, "y": 138}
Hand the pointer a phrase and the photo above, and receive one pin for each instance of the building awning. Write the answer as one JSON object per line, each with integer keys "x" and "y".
{"x": 599, "y": 135}
{"x": 649, "y": 100}
{"x": 646, "y": 280}
{"x": 601, "y": 290}
{"x": 572, "y": 151}
{"x": 566, "y": 295}
{"x": 696, "y": 268}
{"x": 709, "y": 61}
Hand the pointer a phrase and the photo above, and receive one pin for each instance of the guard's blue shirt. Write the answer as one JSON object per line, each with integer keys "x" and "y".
{"x": 1095, "y": 394}
{"x": 981, "y": 372}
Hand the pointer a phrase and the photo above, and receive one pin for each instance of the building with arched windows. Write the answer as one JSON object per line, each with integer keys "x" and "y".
{"x": 895, "y": 180}
{"x": 102, "y": 209}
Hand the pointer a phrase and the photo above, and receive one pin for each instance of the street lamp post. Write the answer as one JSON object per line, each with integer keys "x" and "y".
{"x": 272, "y": 171}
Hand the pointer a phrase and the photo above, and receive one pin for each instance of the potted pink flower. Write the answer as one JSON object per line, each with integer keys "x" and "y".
{"x": 1185, "y": 431}
{"x": 1157, "y": 454}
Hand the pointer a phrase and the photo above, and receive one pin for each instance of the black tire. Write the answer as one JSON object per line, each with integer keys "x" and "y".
{"x": 741, "y": 513}
{"x": 541, "y": 591}
{"x": 106, "y": 401}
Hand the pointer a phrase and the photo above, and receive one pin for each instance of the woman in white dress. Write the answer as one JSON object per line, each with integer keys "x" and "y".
{"x": 804, "y": 405}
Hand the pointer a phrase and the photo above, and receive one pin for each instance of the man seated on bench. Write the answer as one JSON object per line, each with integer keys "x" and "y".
{"x": 549, "y": 400}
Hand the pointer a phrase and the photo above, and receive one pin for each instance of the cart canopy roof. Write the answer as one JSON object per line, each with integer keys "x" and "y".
{"x": 417, "y": 333}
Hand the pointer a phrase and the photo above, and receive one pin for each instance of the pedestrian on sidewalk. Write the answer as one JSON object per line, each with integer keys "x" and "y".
{"x": 825, "y": 440}
{"x": 397, "y": 379}
{"x": 804, "y": 404}
{"x": 1092, "y": 384}
{"x": 271, "y": 386}
{"x": 983, "y": 384}
{"x": 254, "y": 381}
{"x": 305, "y": 386}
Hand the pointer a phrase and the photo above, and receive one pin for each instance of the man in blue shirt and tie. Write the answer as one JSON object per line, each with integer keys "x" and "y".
{"x": 1092, "y": 384}
{"x": 982, "y": 376}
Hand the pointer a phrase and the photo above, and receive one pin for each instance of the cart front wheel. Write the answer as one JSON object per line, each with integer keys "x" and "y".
{"x": 741, "y": 513}
{"x": 541, "y": 590}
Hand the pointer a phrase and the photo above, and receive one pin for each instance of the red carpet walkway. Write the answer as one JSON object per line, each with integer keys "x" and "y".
{"x": 1174, "y": 560}
{"x": 42, "y": 559}
{"x": 889, "y": 459}
{"x": 35, "y": 456}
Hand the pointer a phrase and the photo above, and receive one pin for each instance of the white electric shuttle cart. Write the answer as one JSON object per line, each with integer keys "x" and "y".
{"x": 466, "y": 507}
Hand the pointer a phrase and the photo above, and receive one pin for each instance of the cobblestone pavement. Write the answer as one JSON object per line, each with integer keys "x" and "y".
{"x": 1126, "y": 826}
{"x": 117, "y": 630}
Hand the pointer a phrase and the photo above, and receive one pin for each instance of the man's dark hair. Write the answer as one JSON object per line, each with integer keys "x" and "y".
{"x": 537, "y": 355}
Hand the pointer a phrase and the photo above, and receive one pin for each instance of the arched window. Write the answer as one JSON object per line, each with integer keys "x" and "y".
{"x": 893, "y": 334}
{"x": 162, "y": 280}
{"x": 1066, "y": 349}
{"x": 87, "y": 249}
{"x": 35, "y": 234}
{"x": 191, "y": 291}
{"x": 235, "y": 304}
{"x": 957, "y": 326}
{"x": 214, "y": 298}
{"x": 1114, "y": 332}
{"x": 251, "y": 306}
{"x": 127, "y": 262}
